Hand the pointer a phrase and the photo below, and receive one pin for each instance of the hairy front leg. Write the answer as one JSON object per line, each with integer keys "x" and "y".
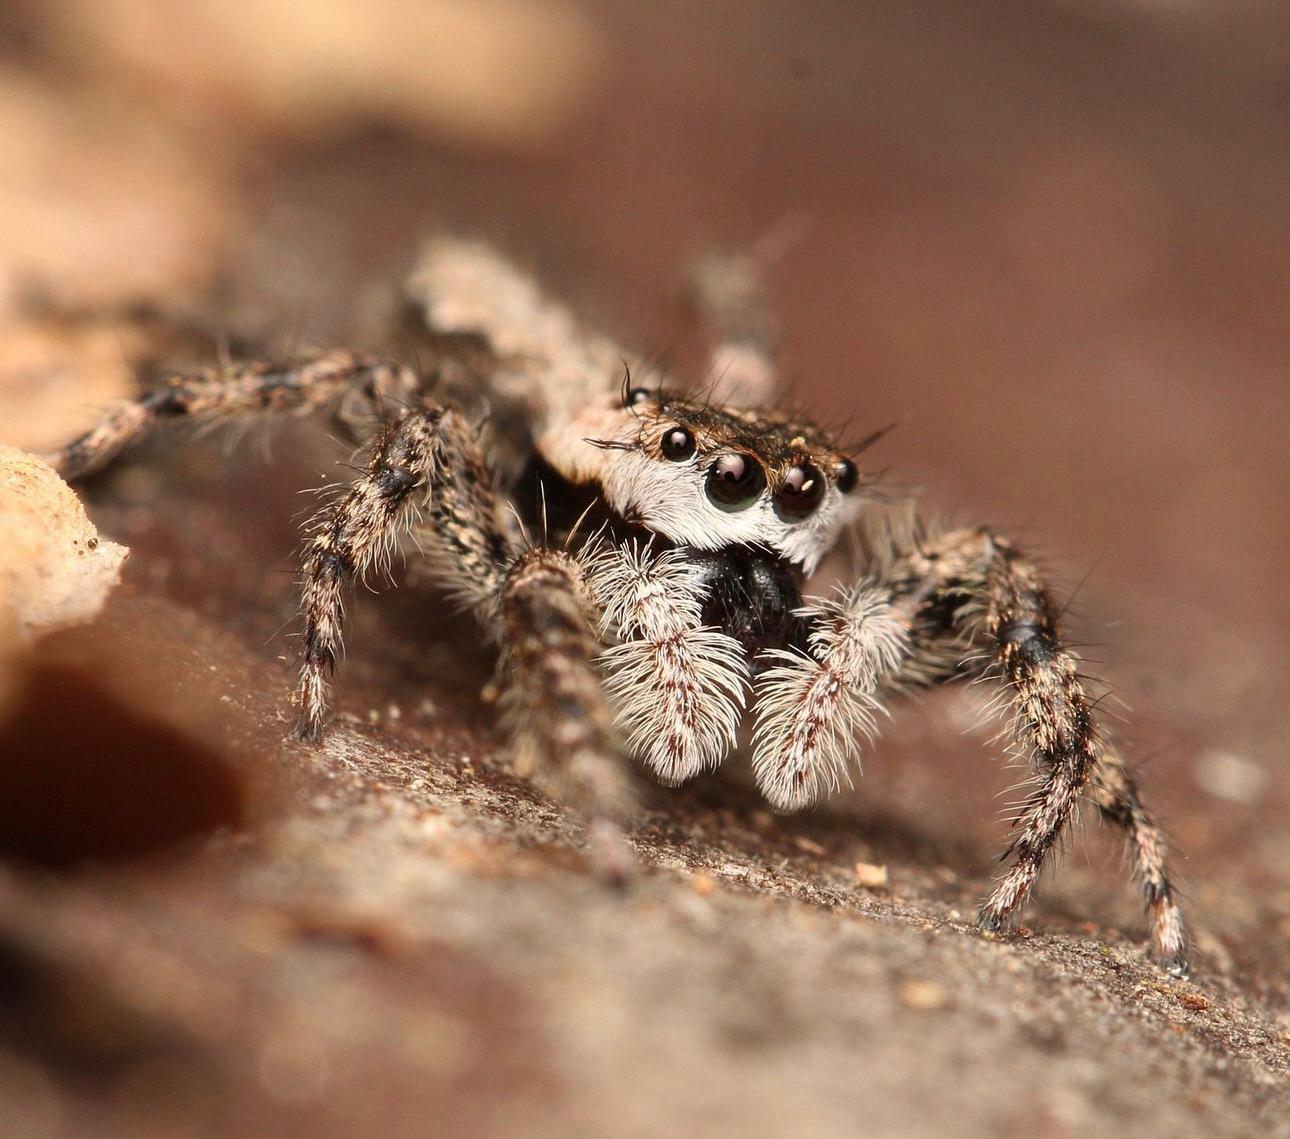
{"x": 668, "y": 690}
{"x": 978, "y": 607}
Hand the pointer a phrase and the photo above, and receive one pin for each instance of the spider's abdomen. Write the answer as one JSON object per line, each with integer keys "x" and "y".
{"x": 752, "y": 596}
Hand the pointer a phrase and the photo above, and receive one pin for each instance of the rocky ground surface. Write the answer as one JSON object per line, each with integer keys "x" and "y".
{"x": 1051, "y": 242}
{"x": 395, "y": 934}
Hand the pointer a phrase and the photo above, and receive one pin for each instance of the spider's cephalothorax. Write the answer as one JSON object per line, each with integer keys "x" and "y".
{"x": 708, "y": 477}
{"x": 750, "y": 502}
{"x": 640, "y": 555}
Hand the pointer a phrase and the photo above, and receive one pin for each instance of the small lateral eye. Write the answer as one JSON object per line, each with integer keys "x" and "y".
{"x": 678, "y": 445}
{"x": 800, "y": 493}
{"x": 634, "y": 397}
{"x": 735, "y": 482}
{"x": 846, "y": 476}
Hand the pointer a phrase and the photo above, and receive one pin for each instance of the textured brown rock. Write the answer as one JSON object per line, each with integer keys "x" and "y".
{"x": 55, "y": 570}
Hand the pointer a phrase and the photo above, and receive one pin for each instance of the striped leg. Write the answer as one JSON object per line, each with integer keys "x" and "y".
{"x": 1117, "y": 797}
{"x": 552, "y": 701}
{"x": 730, "y": 297}
{"x": 427, "y": 460}
{"x": 221, "y": 395}
{"x": 971, "y": 591}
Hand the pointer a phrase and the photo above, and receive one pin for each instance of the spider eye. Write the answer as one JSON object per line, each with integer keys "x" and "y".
{"x": 634, "y": 397}
{"x": 800, "y": 493}
{"x": 678, "y": 445}
{"x": 735, "y": 482}
{"x": 846, "y": 476}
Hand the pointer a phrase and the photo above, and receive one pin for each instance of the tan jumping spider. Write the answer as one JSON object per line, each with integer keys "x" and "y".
{"x": 639, "y": 554}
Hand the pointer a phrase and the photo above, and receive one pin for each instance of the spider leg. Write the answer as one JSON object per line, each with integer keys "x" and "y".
{"x": 1117, "y": 797}
{"x": 552, "y": 700}
{"x": 971, "y": 592}
{"x": 427, "y": 474}
{"x": 730, "y": 297}
{"x": 812, "y": 708}
{"x": 218, "y": 395}
{"x": 678, "y": 686}
{"x": 426, "y": 459}
{"x": 541, "y": 367}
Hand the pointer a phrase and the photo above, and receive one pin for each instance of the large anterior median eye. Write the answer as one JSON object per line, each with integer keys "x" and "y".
{"x": 735, "y": 482}
{"x": 800, "y": 493}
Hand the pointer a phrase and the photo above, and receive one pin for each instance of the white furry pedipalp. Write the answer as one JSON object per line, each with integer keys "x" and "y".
{"x": 677, "y": 687}
{"x": 812, "y": 710}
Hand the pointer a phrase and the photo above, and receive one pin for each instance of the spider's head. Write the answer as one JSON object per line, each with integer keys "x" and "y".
{"x": 709, "y": 477}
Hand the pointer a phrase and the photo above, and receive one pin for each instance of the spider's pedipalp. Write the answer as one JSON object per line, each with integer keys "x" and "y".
{"x": 813, "y": 709}
{"x": 678, "y": 687}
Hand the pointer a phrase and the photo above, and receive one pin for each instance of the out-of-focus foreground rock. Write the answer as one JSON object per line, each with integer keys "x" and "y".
{"x": 1050, "y": 240}
{"x": 55, "y": 570}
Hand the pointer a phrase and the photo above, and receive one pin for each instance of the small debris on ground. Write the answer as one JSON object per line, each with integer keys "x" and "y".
{"x": 871, "y": 877}
{"x": 925, "y": 995}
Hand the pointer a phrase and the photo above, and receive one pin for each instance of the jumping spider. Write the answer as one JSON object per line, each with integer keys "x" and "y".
{"x": 639, "y": 554}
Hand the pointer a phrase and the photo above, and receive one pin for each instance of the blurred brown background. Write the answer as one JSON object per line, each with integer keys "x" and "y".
{"x": 1051, "y": 240}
